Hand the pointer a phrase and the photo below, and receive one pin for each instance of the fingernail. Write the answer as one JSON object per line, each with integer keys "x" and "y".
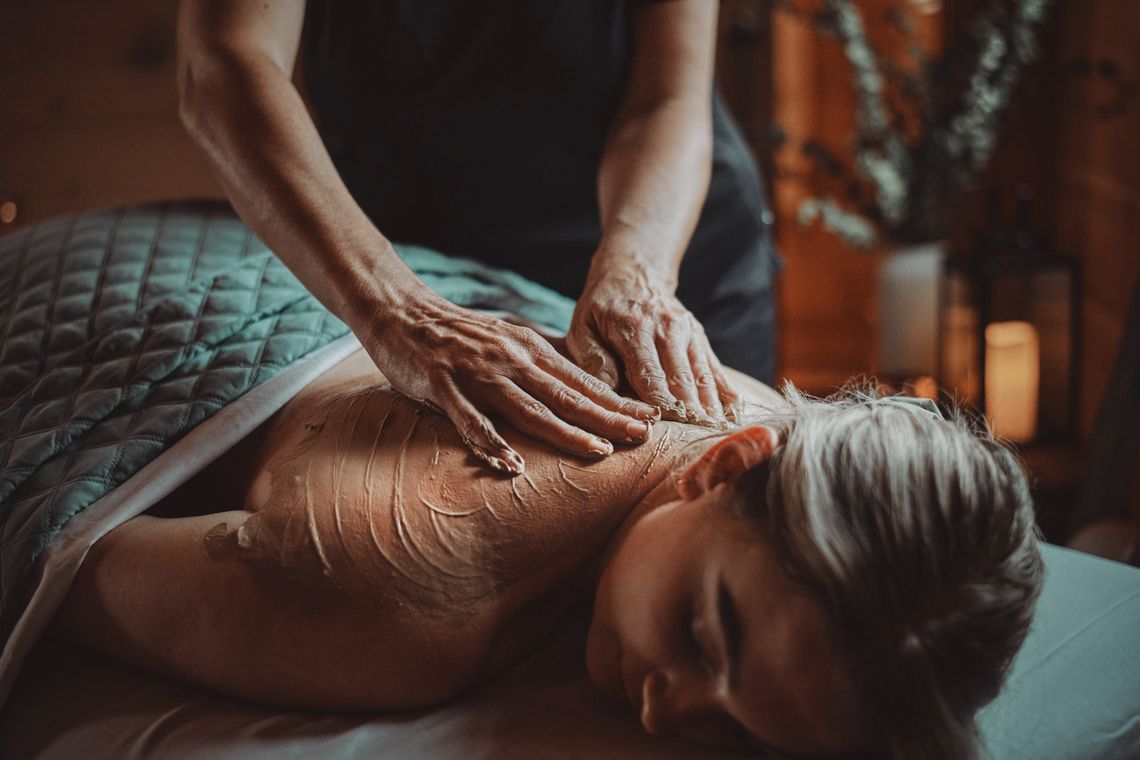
{"x": 508, "y": 461}
{"x": 654, "y": 415}
{"x": 637, "y": 430}
{"x": 601, "y": 447}
{"x": 674, "y": 410}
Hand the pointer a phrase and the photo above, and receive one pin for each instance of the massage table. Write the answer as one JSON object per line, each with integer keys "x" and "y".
{"x": 140, "y": 343}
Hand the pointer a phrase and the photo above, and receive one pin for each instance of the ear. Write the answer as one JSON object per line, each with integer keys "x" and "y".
{"x": 740, "y": 451}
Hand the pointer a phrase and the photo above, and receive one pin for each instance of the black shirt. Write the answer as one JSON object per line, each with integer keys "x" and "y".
{"x": 476, "y": 128}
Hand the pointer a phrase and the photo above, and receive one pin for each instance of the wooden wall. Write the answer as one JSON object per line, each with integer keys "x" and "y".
{"x": 827, "y": 320}
{"x": 1094, "y": 187}
{"x": 89, "y": 119}
{"x": 1085, "y": 171}
{"x": 89, "y": 109}
{"x": 1093, "y": 201}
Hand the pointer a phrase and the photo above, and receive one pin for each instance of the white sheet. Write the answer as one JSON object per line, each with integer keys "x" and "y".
{"x": 70, "y": 703}
{"x": 1074, "y": 692}
{"x": 58, "y": 565}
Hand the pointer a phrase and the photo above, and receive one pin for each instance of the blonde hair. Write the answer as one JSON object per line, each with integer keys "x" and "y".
{"x": 918, "y": 534}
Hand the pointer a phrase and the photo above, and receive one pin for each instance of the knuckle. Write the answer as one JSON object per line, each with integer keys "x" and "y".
{"x": 534, "y": 410}
{"x": 501, "y": 347}
{"x": 706, "y": 380}
{"x": 681, "y": 377}
{"x": 528, "y": 338}
{"x": 624, "y": 328}
{"x": 567, "y": 397}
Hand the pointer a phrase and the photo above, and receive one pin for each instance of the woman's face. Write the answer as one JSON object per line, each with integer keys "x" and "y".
{"x": 699, "y": 629}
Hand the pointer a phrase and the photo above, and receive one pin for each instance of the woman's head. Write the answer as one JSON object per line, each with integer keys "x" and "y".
{"x": 879, "y": 562}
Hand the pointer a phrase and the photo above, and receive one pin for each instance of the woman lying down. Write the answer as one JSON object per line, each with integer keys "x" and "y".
{"x": 840, "y": 578}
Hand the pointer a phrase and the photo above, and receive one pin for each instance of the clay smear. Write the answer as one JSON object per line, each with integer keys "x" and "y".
{"x": 374, "y": 492}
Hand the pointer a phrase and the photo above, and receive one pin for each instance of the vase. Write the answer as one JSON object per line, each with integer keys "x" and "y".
{"x": 907, "y": 284}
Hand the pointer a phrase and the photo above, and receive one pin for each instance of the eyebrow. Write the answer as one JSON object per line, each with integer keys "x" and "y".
{"x": 730, "y": 628}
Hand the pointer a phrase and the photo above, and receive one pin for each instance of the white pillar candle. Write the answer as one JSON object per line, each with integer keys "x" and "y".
{"x": 1012, "y": 379}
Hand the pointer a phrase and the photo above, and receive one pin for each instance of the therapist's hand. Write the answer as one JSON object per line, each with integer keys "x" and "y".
{"x": 628, "y": 322}
{"x": 467, "y": 365}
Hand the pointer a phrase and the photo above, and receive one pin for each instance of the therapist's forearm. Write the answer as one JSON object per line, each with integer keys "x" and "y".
{"x": 652, "y": 183}
{"x": 253, "y": 126}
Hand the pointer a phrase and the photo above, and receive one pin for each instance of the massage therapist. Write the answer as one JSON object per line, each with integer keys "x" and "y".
{"x": 577, "y": 142}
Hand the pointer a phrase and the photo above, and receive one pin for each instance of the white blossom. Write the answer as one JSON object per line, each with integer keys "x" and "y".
{"x": 953, "y": 151}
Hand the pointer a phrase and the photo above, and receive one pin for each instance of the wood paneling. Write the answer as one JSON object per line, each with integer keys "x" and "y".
{"x": 1095, "y": 209}
{"x": 1084, "y": 170}
{"x": 89, "y": 119}
{"x": 826, "y": 317}
{"x": 89, "y": 108}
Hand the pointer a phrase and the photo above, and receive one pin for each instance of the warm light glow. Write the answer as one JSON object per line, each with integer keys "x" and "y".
{"x": 926, "y": 7}
{"x": 8, "y": 212}
{"x": 1012, "y": 379}
{"x": 926, "y": 386}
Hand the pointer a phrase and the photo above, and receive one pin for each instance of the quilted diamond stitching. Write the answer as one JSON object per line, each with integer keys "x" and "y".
{"x": 125, "y": 329}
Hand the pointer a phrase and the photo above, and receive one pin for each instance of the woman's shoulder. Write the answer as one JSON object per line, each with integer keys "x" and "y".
{"x": 757, "y": 396}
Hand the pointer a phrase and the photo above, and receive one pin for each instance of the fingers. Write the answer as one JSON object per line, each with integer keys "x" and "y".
{"x": 676, "y": 348}
{"x": 548, "y": 398}
{"x": 575, "y": 406}
{"x": 468, "y": 365}
{"x": 597, "y": 391}
{"x": 674, "y": 366}
{"x": 701, "y": 360}
{"x": 645, "y": 374}
{"x": 479, "y": 434}
{"x": 530, "y": 415}
{"x": 730, "y": 399}
{"x": 691, "y": 370}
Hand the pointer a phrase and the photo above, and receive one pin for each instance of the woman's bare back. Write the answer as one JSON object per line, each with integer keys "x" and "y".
{"x": 359, "y": 488}
{"x": 371, "y": 563}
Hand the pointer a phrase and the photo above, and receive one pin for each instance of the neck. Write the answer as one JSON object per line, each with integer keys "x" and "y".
{"x": 668, "y": 454}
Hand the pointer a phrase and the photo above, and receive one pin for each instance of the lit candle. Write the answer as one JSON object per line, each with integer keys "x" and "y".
{"x": 1012, "y": 378}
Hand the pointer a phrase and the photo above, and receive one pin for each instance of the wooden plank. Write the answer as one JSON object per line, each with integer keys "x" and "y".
{"x": 67, "y": 58}
{"x": 1114, "y": 448}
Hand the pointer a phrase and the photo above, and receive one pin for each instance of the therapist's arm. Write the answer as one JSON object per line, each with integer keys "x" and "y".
{"x": 237, "y": 101}
{"x": 652, "y": 183}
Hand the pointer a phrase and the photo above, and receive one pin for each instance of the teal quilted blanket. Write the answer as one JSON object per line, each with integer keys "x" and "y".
{"x": 122, "y": 330}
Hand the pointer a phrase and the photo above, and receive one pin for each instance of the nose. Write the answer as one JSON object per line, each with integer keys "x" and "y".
{"x": 669, "y": 700}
